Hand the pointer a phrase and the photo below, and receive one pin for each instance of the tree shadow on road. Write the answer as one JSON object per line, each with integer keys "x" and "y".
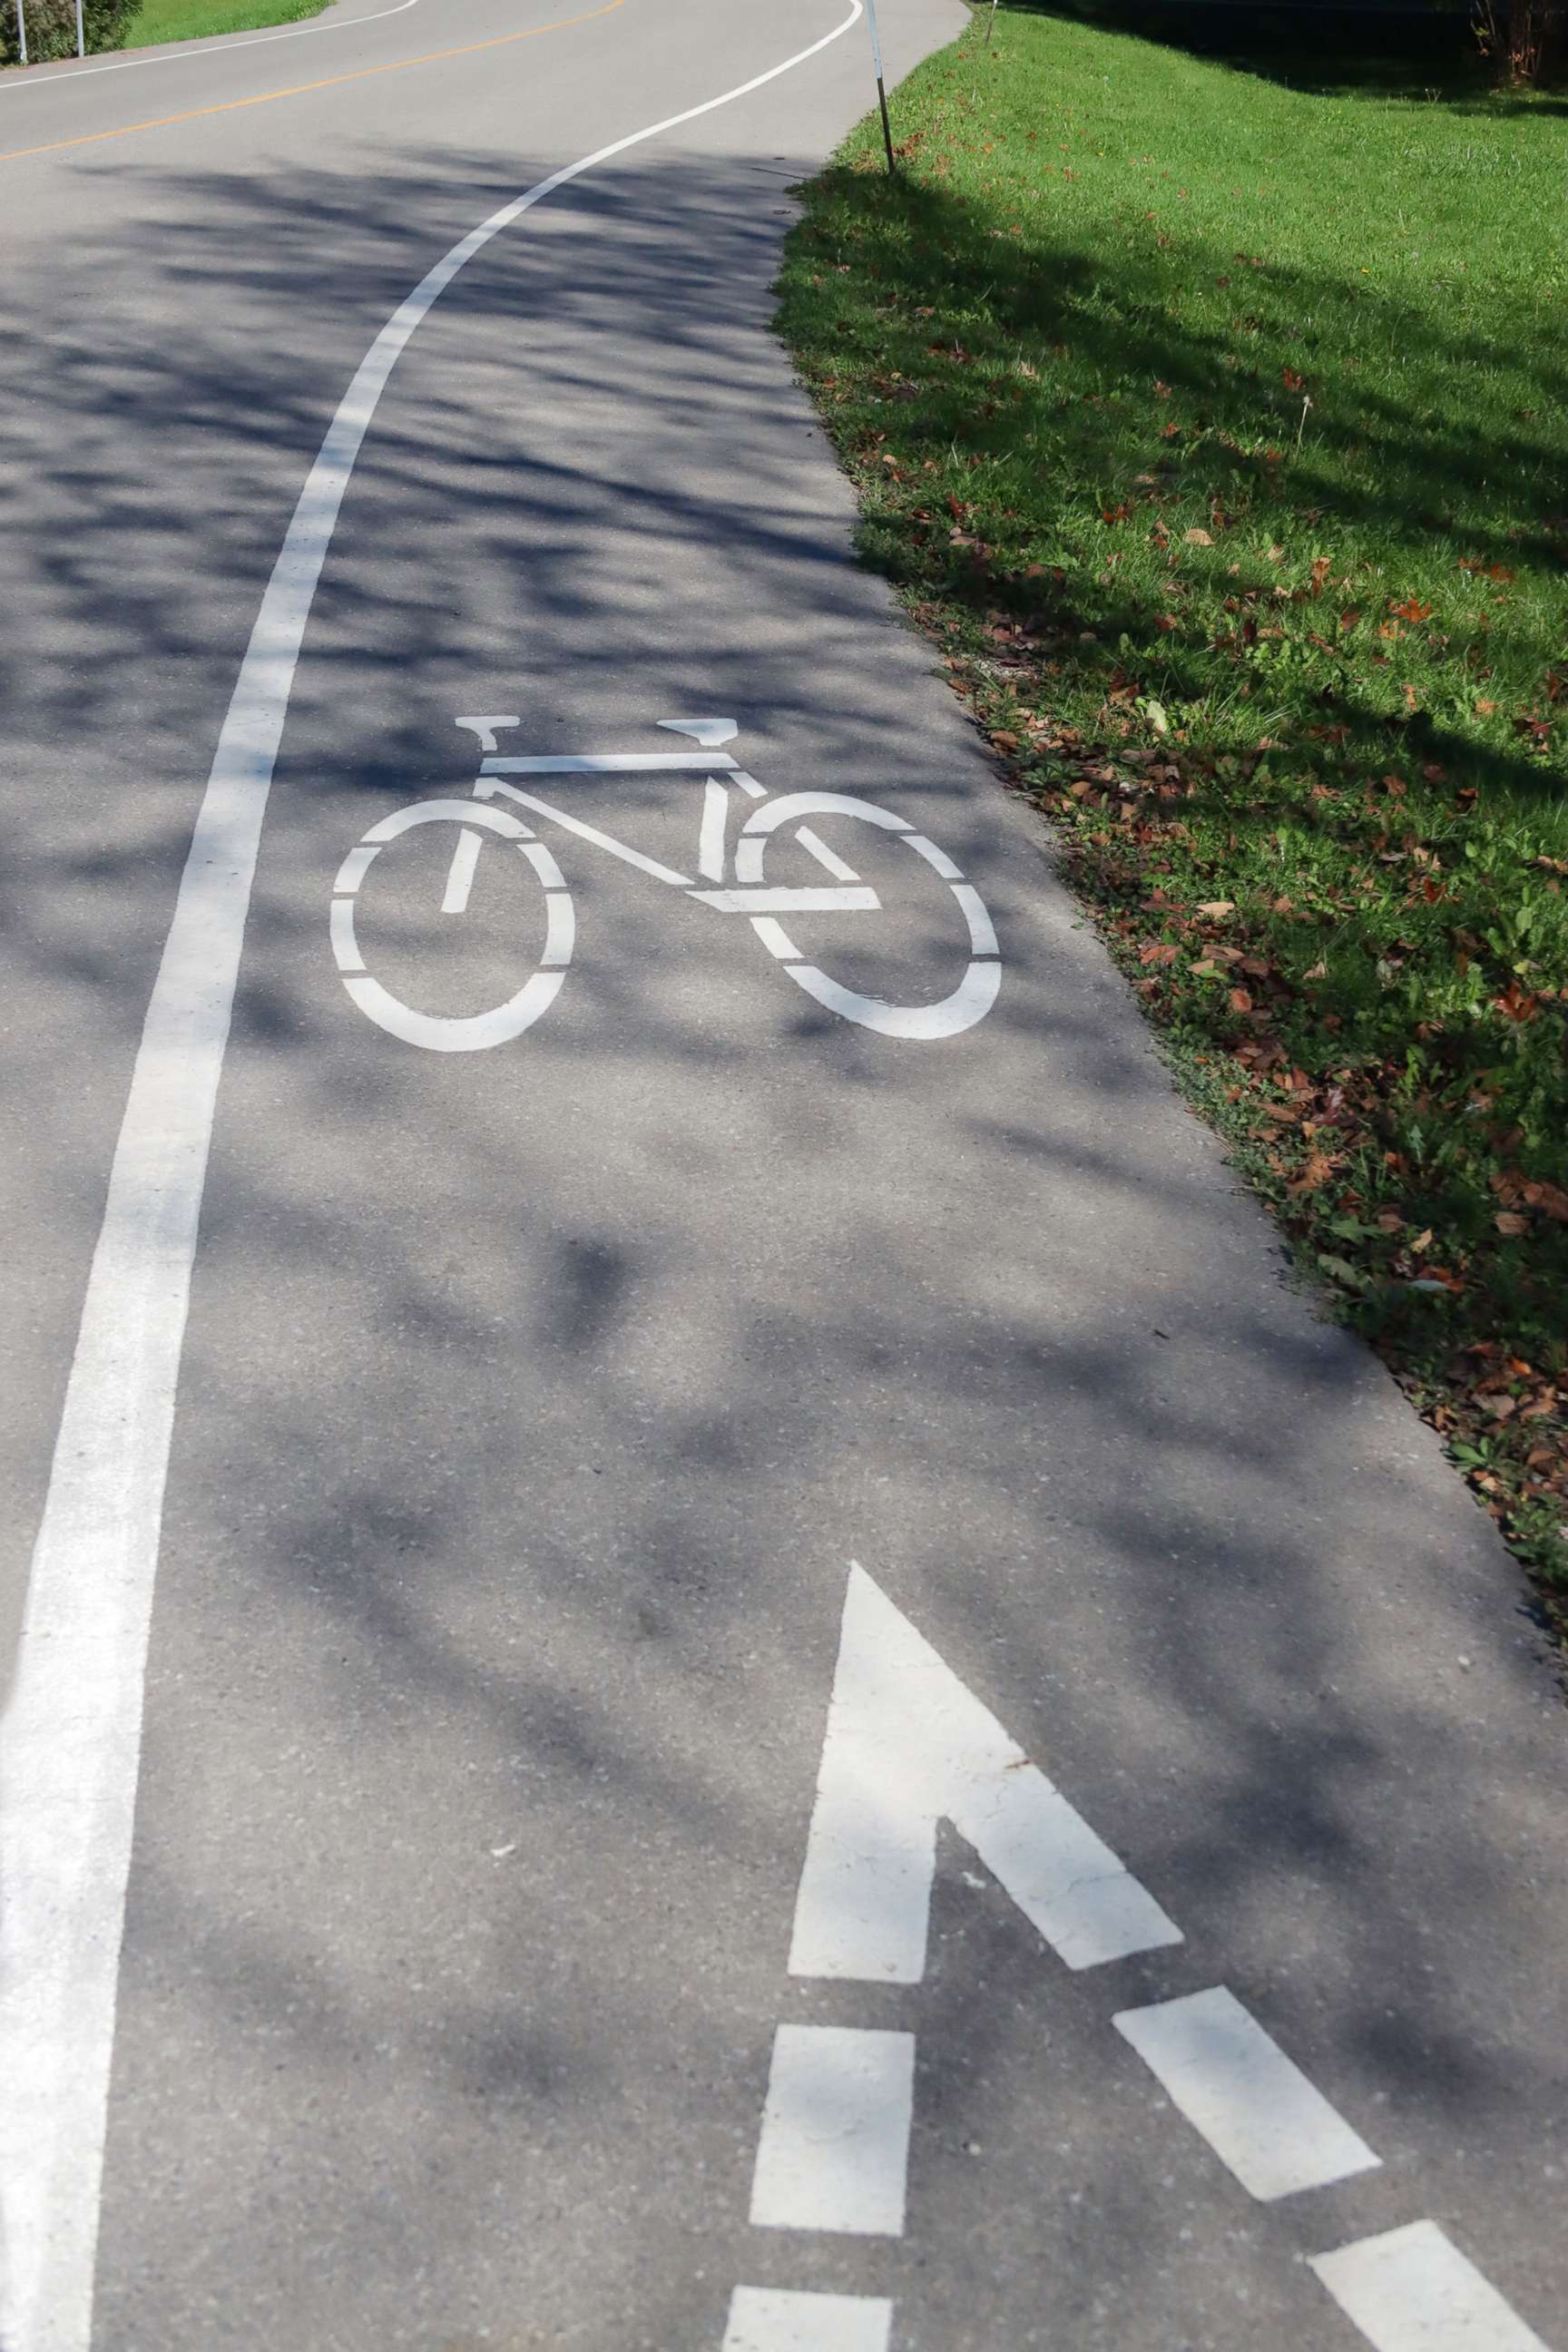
{"x": 512, "y": 1502}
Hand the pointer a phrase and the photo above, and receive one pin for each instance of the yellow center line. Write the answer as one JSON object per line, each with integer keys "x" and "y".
{"x": 304, "y": 88}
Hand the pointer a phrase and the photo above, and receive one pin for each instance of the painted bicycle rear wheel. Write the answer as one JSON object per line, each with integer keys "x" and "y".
{"x": 477, "y": 829}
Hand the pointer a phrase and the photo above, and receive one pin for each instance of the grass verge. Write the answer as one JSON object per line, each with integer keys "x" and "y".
{"x": 1217, "y": 431}
{"x": 199, "y": 20}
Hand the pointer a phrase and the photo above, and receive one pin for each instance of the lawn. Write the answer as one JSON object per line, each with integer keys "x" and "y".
{"x": 1217, "y": 431}
{"x": 194, "y": 20}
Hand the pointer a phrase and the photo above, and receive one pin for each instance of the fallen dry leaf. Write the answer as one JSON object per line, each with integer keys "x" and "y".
{"x": 1316, "y": 1171}
{"x": 1195, "y": 538}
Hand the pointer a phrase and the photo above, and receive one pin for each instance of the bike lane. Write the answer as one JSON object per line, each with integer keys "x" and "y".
{"x": 182, "y": 308}
{"x": 535, "y": 1403}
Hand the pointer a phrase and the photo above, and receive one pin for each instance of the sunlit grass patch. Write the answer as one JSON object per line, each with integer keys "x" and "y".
{"x": 1218, "y": 433}
{"x": 194, "y": 20}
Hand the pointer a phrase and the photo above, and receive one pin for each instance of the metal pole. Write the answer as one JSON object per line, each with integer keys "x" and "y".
{"x": 80, "y": 42}
{"x": 881, "y": 85}
{"x": 990, "y": 28}
{"x": 21, "y": 32}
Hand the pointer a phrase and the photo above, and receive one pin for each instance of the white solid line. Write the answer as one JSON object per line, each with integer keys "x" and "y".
{"x": 606, "y": 763}
{"x": 70, "y": 1738}
{"x": 177, "y": 56}
{"x": 908, "y": 1746}
{"x": 835, "y": 2145}
{"x": 1233, "y": 2084}
{"x": 460, "y": 874}
{"x": 782, "y": 2319}
{"x": 1411, "y": 2290}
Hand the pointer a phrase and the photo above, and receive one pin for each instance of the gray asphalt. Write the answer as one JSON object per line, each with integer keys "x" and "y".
{"x": 534, "y": 1402}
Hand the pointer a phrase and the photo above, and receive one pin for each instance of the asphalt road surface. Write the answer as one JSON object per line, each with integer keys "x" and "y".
{"x": 449, "y": 1913}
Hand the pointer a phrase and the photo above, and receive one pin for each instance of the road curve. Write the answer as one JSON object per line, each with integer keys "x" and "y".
{"x": 501, "y": 1426}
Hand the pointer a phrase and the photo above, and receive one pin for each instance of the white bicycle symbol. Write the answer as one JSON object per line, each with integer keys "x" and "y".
{"x": 479, "y": 820}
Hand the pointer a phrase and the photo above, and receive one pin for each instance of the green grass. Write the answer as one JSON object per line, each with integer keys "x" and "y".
{"x": 196, "y": 20}
{"x": 1218, "y": 431}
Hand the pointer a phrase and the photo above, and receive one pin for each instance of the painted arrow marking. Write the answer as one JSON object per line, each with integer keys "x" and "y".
{"x": 908, "y": 1747}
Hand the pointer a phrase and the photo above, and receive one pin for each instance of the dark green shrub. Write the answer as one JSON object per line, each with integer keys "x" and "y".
{"x": 51, "y": 28}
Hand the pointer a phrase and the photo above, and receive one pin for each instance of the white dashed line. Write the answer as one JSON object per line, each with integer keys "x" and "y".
{"x": 778, "y": 2319}
{"x": 1254, "y": 2105}
{"x": 908, "y": 1746}
{"x": 1411, "y": 2290}
{"x": 835, "y": 2147}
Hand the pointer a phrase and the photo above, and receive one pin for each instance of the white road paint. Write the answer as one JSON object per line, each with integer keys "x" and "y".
{"x": 710, "y": 731}
{"x": 822, "y": 898}
{"x": 827, "y": 858}
{"x": 834, "y": 2147}
{"x": 776, "y": 938}
{"x": 908, "y": 1746}
{"x": 970, "y": 1002}
{"x": 750, "y": 897}
{"x": 440, "y": 1032}
{"x": 178, "y": 57}
{"x": 584, "y": 832}
{"x": 606, "y": 763}
{"x": 976, "y": 992}
{"x": 1233, "y": 2084}
{"x": 1411, "y": 2290}
{"x": 710, "y": 838}
{"x": 781, "y": 2319}
{"x": 460, "y": 876}
{"x": 70, "y": 1738}
{"x": 486, "y": 729}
